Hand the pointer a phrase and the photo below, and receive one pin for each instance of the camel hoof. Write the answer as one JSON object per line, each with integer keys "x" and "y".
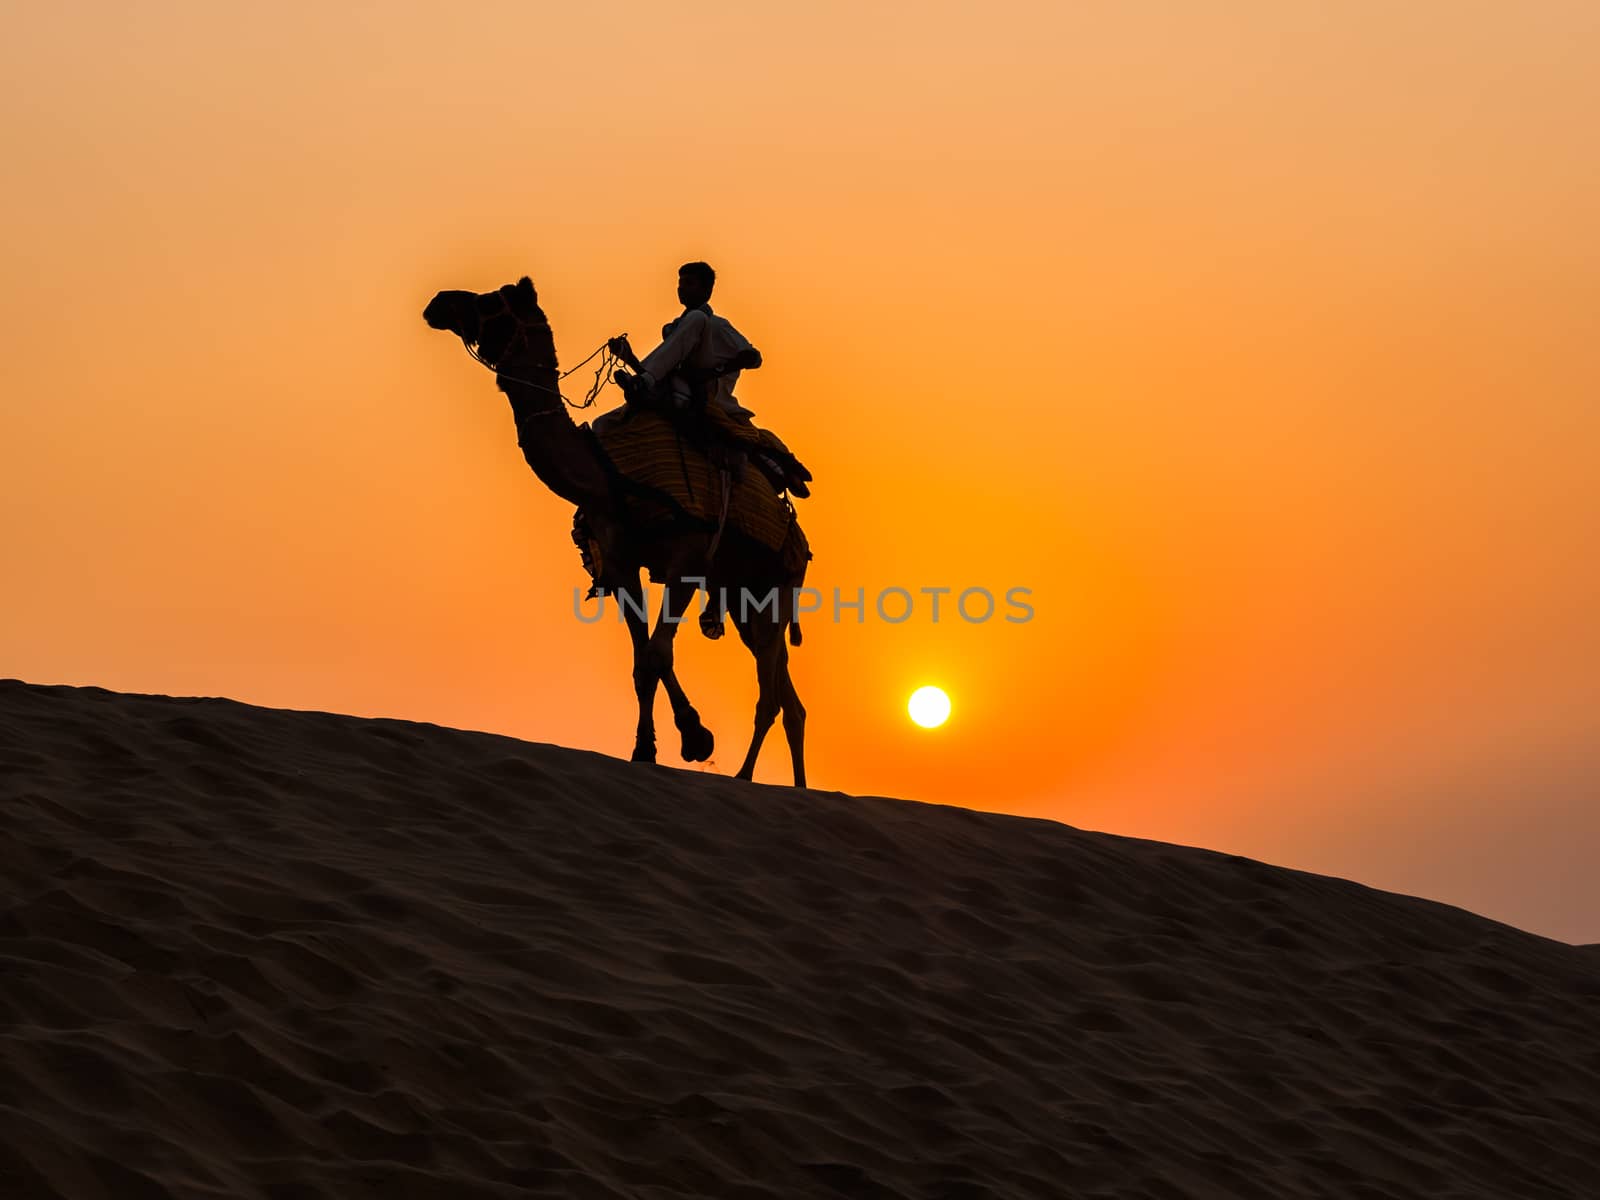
{"x": 698, "y": 743}
{"x": 644, "y": 754}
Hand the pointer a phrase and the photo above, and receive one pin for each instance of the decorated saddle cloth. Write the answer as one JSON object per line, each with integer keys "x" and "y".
{"x": 671, "y": 479}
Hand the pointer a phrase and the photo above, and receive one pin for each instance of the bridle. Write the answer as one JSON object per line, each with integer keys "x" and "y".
{"x": 602, "y": 373}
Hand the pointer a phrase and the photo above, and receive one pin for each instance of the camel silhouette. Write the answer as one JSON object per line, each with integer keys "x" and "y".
{"x": 508, "y": 331}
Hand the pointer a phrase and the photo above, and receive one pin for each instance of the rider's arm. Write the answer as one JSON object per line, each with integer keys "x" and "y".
{"x": 619, "y": 346}
{"x": 732, "y": 349}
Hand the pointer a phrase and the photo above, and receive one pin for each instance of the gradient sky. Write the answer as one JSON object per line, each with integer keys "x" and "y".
{"x": 1263, "y": 347}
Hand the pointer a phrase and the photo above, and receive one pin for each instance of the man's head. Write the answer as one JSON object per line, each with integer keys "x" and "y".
{"x": 695, "y": 281}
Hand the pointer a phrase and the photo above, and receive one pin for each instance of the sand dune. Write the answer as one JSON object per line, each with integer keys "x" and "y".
{"x": 248, "y": 953}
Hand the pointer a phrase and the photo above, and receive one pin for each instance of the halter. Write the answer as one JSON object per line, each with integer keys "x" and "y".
{"x": 601, "y": 375}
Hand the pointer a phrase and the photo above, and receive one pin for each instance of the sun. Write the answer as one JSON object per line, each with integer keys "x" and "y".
{"x": 929, "y": 707}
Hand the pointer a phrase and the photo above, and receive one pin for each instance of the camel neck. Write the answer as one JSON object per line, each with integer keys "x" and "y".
{"x": 561, "y": 456}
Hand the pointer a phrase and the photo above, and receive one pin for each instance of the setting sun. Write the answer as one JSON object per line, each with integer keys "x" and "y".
{"x": 929, "y": 707}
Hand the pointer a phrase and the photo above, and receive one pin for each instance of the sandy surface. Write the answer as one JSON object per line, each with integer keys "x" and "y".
{"x": 250, "y": 953}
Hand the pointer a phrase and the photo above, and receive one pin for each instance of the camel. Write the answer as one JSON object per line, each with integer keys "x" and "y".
{"x": 508, "y": 331}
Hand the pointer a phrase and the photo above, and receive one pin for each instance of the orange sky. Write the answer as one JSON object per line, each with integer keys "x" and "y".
{"x": 1263, "y": 350}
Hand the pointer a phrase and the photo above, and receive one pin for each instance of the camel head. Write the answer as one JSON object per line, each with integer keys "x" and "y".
{"x": 492, "y": 322}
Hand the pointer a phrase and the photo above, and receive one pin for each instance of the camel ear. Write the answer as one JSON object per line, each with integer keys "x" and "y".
{"x": 521, "y": 298}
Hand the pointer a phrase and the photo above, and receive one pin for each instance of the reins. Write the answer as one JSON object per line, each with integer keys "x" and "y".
{"x": 602, "y": 373}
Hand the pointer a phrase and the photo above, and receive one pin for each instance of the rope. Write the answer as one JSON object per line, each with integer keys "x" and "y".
{"x": 683, "y": 461}
{"x": 723, "y": 480}
{"x": 602, "y": 375}
{"x": 606, "y": 346}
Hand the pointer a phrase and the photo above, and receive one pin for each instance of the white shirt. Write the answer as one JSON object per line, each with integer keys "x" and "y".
{"x": 705, "y": 341}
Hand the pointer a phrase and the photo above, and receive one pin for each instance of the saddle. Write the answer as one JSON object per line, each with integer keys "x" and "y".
{"x": 668, "y": 477}
{"x": 728, "y": 441}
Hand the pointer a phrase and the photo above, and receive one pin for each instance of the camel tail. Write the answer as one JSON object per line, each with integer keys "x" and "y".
{"x": 794, "y": 632}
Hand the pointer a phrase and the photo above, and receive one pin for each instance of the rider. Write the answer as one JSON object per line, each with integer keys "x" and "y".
{"x": 697, "y": 364}
{"x": 697, "y": 342}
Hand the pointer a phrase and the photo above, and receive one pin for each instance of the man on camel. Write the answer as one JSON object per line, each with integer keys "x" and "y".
{"x": 692, "y": 374}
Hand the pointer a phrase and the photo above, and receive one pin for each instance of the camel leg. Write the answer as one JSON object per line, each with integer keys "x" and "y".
{"x": 698, "y": 742}
{"x": 631, "y": 599}
{"x": 767, "y": 649}
{"x": 794, "y": 717}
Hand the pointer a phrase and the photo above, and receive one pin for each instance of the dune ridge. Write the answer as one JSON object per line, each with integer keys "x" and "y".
{"x": 254, "y": 953}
